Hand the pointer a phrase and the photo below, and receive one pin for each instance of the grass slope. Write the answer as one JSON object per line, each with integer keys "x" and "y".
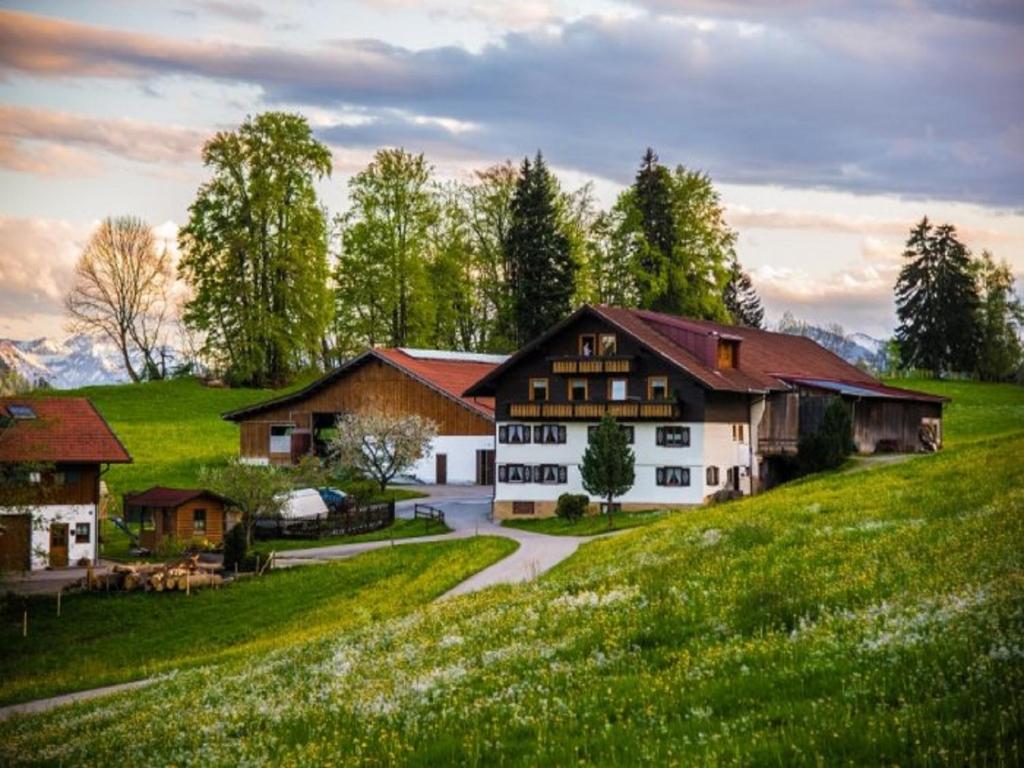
{"x": 853, "y": 618}
{"x": 105, "y": 639}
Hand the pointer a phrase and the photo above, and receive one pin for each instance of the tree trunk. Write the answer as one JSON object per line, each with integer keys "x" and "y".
{"x": 610, "y": 498}
{"x": 127, "y": 359}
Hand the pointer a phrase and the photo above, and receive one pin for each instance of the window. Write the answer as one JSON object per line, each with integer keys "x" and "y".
{"x": 577, "y": 389}
{"x": 587, "y": 344}
{"x": 674, "y": 476}
{"x": 546, "y": 434}
{"x": 148, "y": 521}
{"x": 199, "y": 520}
{"x": 550, "y": 474}
{"x": 67, "y": 477}
{"x": 280, "y": 438}
{"x": 726, "y": 354}
{"x": 21, "y": 412}
{"x": 82, "y": 532}
{"x": 35, "y": 477}
{"x": 737, "y": 433}
{"x": 657, "y": 387}
{"x": 672, "y": 437}
{"x": 616, "y": 389}
{"x": 513, "y": 473}
{"x": 712, "y": 475}
{"x": 608, "y": 344}
{"x": 539, "y": 389}
{"x": 514, "y": 433}
{"x": 628, "y": 430}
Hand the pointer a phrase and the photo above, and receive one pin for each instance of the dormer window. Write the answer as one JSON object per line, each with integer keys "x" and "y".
{"x": 608, "y": 345}
{"x": 727, "y": 354}
{"x": 657, "y": 387}
{"x": 588, "y": 344}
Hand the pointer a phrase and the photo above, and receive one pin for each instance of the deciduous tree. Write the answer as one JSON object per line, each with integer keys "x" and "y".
{"x": 381, "y": 445}
{"x": 120, "y": 292}
{"x": 255, "y": 492}
{"x": 254, "y": 250}
{"x": 1000, "y": 320}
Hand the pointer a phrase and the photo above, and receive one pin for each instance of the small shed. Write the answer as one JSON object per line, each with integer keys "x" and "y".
{"x": 180, "y": 513}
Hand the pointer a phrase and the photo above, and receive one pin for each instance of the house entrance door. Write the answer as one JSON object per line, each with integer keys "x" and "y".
{"x": 441, "y": 473}
{"x": 58, "y": 545}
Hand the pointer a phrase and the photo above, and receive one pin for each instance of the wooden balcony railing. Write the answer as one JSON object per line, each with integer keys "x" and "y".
{"x": 594, "y": 411}
{"x": 569, "y": 365}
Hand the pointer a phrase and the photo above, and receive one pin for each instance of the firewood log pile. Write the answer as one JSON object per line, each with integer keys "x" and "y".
{"x": 183, "y": 575}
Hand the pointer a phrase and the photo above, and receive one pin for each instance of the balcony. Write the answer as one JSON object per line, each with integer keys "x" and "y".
{"x": 594, "y": 411}
{"x": 577, "y": 365}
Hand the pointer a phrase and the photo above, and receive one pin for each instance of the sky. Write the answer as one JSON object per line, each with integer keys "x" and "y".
{"x": 829, "y": 127}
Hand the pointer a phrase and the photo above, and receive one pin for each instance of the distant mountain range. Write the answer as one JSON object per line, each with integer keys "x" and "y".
{"x": 855, "y": 348}
{"x": 78, "y": 361}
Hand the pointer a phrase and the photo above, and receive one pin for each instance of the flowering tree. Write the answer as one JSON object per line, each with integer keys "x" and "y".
{"x": 381, "y": 445}
{"x": 253, "y": 491}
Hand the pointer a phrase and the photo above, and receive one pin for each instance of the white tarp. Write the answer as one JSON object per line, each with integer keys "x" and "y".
{"x": 304, "y": 503}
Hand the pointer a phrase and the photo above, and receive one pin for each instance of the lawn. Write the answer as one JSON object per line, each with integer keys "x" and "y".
{"x": 103, "y": 639}
{"x": 849, "y": 619}
{"x": 589, "y": 525}
{"x": 400, "y": 529}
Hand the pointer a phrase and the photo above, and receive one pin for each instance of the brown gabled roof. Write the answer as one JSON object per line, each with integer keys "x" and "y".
{"x": 445, "y": 373}
{"x": 64, "y": 429}
{"x": 768, "y": 361}
{"x": 160, "y": 497}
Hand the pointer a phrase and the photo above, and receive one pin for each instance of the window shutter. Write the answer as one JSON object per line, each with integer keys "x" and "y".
{"x": 563, "y": 474}
{"x": 502, "y": 473}
{"x": 686, "y": 435}
{"x": 538, "y": 434}
{"x": 502, "y": 434}
{"x": 659, "y": 475}
{"x": 659, "y": 435}
{"x": 686, "y": 476}
{"x": 526, "y": 433}
{"x": 561, "y": 433}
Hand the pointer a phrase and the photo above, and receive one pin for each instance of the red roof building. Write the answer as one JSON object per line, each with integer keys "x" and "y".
{"x": 57, "y": 429}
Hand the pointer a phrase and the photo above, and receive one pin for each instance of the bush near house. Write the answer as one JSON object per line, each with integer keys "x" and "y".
{"x": 572, "y": 506}
{"x": 828, "y": 447}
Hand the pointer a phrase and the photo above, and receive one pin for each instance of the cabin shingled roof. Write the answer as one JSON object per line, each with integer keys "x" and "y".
{"x": 65, "y": 429}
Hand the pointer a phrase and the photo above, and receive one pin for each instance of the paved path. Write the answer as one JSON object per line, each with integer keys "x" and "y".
{"x": 43, "y": 705}
{"x": 467, "y": 512}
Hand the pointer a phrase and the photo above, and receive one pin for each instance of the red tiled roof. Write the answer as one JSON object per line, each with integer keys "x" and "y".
{"x": 66, "y": 429}
{"x": 450, "y": 377}
{"x": 159, "y": 496}
{"x": 767, "y": 360}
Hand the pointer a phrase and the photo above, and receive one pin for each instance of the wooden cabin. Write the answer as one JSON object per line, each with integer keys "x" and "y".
{"x": 179, "y": 513}
{"x": 428, "y": 383}
{"x": 52, "y": 453}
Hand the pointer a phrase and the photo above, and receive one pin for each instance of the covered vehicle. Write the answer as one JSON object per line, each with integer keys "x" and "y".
{"x": 304, "y": 504}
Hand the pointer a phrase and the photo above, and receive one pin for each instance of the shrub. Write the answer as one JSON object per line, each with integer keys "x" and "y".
{"x": 572, "y": 506}
{"x": 829, "y": 446}
{"x": 235, "y": 550}
{"x": 362, "y": 491}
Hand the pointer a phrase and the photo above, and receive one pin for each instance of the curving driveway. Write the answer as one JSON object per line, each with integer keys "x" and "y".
{"x": 467, "y": 511}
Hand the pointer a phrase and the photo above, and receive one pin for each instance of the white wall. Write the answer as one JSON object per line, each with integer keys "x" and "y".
{"x": 461, "y": 452}
{"x": 649, "y": 456}
{"x": 60, "y": 513}
{"x": 720, "y": 450}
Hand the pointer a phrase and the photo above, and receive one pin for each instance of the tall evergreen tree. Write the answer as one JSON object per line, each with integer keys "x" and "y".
{"x": 741, "y": 299}
{"x": 542, "y": 272}
{"x": 254, "y": 250}
{"x": 937, "y": 302}
{"x": 652, "y": 197}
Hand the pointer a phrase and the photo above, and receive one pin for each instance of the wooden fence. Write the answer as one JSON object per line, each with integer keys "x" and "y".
{"x": 344, "y": 522}
{"x": 428, "y": 513}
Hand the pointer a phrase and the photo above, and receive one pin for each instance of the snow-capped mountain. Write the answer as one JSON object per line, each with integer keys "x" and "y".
{"x": 855, "y": 348}
{"x": 77, "y": 361}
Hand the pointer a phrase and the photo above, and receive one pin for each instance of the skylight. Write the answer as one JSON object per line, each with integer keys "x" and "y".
{"x": 21, "y": 412}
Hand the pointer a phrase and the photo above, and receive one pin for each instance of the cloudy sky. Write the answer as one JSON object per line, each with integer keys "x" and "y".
{"x": 829, "y": 127}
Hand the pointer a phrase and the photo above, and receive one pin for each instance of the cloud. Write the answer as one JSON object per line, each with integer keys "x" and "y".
{"x": 50, "y": 142}
{"x": 835, "y": 101}
{"x": 235, "y": 10}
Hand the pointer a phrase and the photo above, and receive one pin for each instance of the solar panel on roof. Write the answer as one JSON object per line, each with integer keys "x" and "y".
{"x": 21, "y": 412}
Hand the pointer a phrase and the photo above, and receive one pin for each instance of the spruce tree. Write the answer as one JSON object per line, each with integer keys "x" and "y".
{"x": 542, "y": 272}
{"x": 741, "y": 299}
{"x": 652, "y": 196}
{"x": 937, "y": 302}
{"x": 609, "y": 466}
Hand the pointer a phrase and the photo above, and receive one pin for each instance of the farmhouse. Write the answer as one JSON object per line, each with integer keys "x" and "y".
{"x": 707, "y": 407}
{"x": 52, "y": 453}
{"x": 178, "y": 513}
{"x": 429, "y": 383}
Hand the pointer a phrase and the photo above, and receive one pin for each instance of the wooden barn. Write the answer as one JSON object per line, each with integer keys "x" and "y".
{"x": 429, "y": 383}
{"x": 179, "y": 513}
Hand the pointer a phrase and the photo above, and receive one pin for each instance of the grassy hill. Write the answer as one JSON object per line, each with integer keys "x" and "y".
{"x": 859, "y": 618}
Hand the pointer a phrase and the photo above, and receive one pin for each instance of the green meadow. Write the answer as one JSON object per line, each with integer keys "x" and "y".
{"x": 862, "y": 618}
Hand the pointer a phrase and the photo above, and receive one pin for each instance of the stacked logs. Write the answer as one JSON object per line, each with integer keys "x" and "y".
{"x": 185, "y": 575}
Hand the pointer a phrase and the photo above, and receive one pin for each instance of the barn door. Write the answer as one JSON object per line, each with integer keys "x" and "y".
{"x": 441, "y": 469}
{"x": 58, "y": 545}
{"x": 15, "y": 542}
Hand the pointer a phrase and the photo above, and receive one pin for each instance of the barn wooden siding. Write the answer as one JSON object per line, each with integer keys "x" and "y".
{"x": 373, "y": 384}
{"x": 177, "y": 522}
